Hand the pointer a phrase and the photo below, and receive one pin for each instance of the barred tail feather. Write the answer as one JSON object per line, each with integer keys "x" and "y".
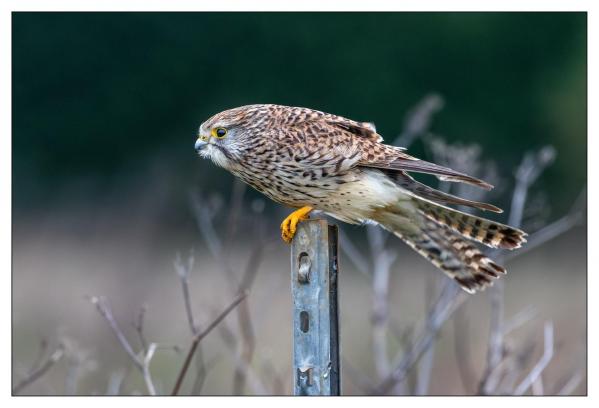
{"x": 490, "y": 233}
{"x": 456, "y": 257}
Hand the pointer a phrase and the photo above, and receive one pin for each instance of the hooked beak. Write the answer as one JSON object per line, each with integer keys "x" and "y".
{"x": 200, "y": 144}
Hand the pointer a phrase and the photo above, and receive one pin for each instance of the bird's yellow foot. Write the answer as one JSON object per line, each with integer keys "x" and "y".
{"x": 289, "y": 224}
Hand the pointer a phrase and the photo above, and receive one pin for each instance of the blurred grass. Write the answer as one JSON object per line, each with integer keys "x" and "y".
{"x": 55, "y": 267}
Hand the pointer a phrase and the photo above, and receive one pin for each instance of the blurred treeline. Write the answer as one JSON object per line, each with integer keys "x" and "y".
{"x": 100, "y": 99}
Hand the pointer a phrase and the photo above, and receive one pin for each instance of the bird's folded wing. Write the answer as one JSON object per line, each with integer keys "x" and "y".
{"x": 404, "y": 162}
{"x": 362, "y": 129}
{"x": 424, "y": 192}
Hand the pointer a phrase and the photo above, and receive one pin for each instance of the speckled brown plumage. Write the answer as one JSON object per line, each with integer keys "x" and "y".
{"x": 306, "y": 158}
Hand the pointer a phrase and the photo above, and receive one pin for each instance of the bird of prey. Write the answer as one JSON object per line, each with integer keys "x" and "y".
{"x": 311, "y": 160}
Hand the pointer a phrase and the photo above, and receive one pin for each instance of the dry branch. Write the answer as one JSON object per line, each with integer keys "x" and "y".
{"x": 141, "y": 362}
{"x": 231, "y": 342}
{"x": 204, "y": 219}
{"x": 183, "y": 271}
{"x": 463, "y": 350}
{"x": 36, "y": 373}
{"x": 198, "y": 338}
{"x": 106, "y": 312}
{"x": 527, "y": 173}
{"x": 416, "y": 124}
{"x": 573, "y": 382}
{"x": 139, "y": 327}
{"x": 450, "y": 298}
{"x": 354, "y": 255}
{"x": 537, "y": 370}
{"x": 418, "y": 119}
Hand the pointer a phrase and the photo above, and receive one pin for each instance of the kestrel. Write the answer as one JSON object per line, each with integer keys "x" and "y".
{"x": 311, "y": 160}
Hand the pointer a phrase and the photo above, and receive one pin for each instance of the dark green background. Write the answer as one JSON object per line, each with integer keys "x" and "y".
{"x": 99, "y": 96}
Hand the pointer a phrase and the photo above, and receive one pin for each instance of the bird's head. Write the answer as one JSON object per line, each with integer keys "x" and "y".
{"x": 225, "y": 136}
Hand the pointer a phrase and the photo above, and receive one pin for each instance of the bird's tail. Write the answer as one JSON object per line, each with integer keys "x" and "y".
{"x": 438, "y": 235}
{"x": 490, "y": 233}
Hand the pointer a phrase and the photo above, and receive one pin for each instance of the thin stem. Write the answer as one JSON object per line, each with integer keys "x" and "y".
{"x": 537, "y": 370}
{"x": 139, "y": 327}
{"x": 245, "y": 321}
{"x": 418, "y": 119}
{"x": 450, "y": 298}
{"x": 146, "y": 369}
{"x": 105, "y": 311}
{"x": 183, "y": 272}
{"x": 463, "y": 349}
{"x": 56, "y": 356}
{"x": 198, "y": 338}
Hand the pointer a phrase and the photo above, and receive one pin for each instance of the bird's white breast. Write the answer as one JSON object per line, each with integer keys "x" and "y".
{"x": 370, "y": 191}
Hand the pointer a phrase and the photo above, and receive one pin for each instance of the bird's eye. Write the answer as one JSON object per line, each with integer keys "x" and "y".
{"x": 219, "y": 132}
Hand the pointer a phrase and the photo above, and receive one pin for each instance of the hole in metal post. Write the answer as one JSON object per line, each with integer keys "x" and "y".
{"x": 304, "y": 321}
{"x": 304, "y": 377}
{"x": 304, "y": 264}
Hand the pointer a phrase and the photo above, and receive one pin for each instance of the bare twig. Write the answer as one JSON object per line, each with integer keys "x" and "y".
{"x": 519, "y": 319}
{"x": 230, "y": 341}
{"x": 198, "y": 338}
{"x": 204, "y": 219}
{"x": 78, "y": 363}
{"x": 35, "y": 374}
{"x": 425, "y": 364}
{"x": 405, "y": 338}
{"x": 573, "y": 382}
{"x": 244, "y": 320}
{"x": 146, "y": 368}
{"x": 418, "y": 119}
{"x": 183, "y": 272}
{"x": 142, "y": 364}
{"x": 278, "y": 381}
{"x": 527, "y": 173}
{"x": 40, "y": 354}
{"x": 205, "y": 222}
{"x": 495, "y": 350}
{"x": 238, "y": 191}
{"x": 424, "y": 371}
{"x": 139, "y": 326}
{"x": 537, "y": 387}
{"x": 463, "y": 349}
{"x": 114, "y": 382}
{"x": 252, "y": 266}
{"x": 510, "y": 368}
{"x": 104, "y": 309}
{"x": 403, "y": 335}
{"x": 201, "y": 372}
{"x": 353, "y": 253}
{"x": 537, "y": 370}
{"x": 450, "y": 298}
{"x": 201, "y": 376}
{"x": 574, "y": 217}
{"x": 382, "y": 261}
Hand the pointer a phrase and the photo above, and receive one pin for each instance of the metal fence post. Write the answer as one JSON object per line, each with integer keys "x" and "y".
{"x": 314, "y": 271}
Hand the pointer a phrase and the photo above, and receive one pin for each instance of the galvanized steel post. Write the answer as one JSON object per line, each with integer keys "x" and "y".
{"x": 314, "y": 272}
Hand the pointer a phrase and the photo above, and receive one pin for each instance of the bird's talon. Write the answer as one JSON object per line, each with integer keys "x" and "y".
{"x": 289, "y": 224}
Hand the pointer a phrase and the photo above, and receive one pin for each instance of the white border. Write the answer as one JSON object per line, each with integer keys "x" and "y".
{"x": 7, "y": 6}
{"x": 304, "y": 5}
